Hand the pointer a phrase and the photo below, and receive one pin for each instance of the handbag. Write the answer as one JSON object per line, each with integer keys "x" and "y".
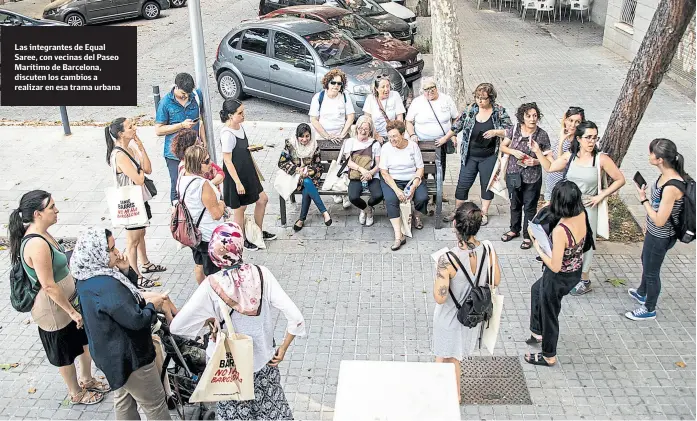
{"x": 363, "y": 160}
{"x": 490, "y": 333}
{"x": 286, "y": 184}
{"x": 335, "y": 180}
{"x": 126, "y": 204}
{"x": 497, "y": 181}
{"x": 148, "y": 183}
{"x": 603, "y": 228}
{"x": 514, "y": 181}
{"x": 229, "y": 374}
{"x": 449, "y": 146}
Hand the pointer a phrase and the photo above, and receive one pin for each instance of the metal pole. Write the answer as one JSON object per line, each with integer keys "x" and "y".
{"x": 156, "y": 96}
{"x": 64, "y": 119}
{"x": 201, "y": 73}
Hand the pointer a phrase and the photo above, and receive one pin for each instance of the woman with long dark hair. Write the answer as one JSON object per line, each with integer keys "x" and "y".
{"x": 662, "y": 212}
{"x": 60, "y": 325}
{"x": 123, "y": 147}
{"x": 581, "y": 167}
{"x": 561, "y": 273}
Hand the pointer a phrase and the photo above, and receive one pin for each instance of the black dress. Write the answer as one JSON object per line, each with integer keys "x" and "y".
{"x": 244, "y": 164}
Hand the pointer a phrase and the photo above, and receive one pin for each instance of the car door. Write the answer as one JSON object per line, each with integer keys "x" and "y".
{"x": 98, "y": 10}
{"x": 251, "y": 59}
{"x": 127, "y": 7}
{"x": 292, "y": 69}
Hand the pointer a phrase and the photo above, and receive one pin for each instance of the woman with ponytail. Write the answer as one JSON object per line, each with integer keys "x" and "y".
{"x": 60, "y": 325}
{"x": 580, "y": 165}
{"x": 123, "y": 147}
{"x": 452, "y": 341}
{"x": 662, "y": 212}
{"x": 569, "y": 121}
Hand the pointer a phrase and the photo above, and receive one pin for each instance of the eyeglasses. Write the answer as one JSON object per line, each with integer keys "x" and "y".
{"x": 481, "y": 98}
{"x": 336, "y": 83}
{"x": 430, "y": 89}
{"x": 594, "y": 138}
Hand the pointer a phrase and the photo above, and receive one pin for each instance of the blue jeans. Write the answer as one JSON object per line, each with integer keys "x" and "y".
{"x": 652, "y": 256}
{"x": 310, "y": 194}
{"x": 173, "y": 168}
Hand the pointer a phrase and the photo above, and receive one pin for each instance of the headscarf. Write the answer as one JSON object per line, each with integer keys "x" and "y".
{"x": 91, "y": 258}
{"x": 238, "y": 284}
{"x": 303, "y": 151}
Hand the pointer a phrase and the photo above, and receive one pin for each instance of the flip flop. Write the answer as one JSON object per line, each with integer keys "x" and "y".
{"x": 537, "y": 359}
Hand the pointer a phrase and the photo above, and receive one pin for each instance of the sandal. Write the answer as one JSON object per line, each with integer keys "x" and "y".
{"x": 537, "y": 359}
{"x": 417, "y": 222}
{"x": 485, "y": 219}
{"x": 398, "y": 244}
{"x": 95, "y": 385}
{"x": 152, "y": 268}
{"x": 509, "y": 236}
{"x": 145, "y": 283}
{"x": 85, "y": 397}
{"x": 533, "y": 340}
{"x": 299, "y": 224}
{"x": 526, "y": 244}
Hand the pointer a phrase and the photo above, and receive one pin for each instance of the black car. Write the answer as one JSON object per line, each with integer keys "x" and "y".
{"x": 8, "y": 18}
{"x": 368, "y": 9}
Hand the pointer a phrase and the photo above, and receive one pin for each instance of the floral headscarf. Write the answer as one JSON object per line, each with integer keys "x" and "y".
{"x": 91, "y": 258}
{"x": 238, "y": 284}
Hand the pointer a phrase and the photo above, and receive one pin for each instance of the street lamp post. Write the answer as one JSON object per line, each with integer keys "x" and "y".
{"x": 201, "y": 73}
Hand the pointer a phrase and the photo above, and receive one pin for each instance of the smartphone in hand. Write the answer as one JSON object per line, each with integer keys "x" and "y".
{"x": 639, "y": 180}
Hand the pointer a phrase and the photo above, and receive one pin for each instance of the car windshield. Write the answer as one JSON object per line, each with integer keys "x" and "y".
{"x": 355, "y": 25}
{"x": 333, "y": 47}
{"x": 364, "y": 7}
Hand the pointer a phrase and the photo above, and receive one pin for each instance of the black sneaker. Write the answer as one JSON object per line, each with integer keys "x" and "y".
{"x": 268, "y": 236}
{"x": 250, "y": 246}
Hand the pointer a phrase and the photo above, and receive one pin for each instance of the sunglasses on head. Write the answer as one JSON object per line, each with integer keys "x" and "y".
{"x": 336, "y": 83}
{"x": 206, "y": 161}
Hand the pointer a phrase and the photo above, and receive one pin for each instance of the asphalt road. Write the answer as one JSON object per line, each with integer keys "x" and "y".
{"x": 164, "y": 49}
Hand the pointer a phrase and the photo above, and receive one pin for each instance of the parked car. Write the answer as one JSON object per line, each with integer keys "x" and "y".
{"x": 88, "y": 12}
{"x": 368, "y": 9}
{"x": 8, "y": 18}
{"x": 396, "y": 9}
{"x": 284, "y": 60}
{"x": 398, "y": 54}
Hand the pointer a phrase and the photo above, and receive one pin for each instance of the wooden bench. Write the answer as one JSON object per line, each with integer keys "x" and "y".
{"x": 433, "y": 176}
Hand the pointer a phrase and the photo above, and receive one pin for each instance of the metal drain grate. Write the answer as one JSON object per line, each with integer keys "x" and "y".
{"x": 493, "y": 381}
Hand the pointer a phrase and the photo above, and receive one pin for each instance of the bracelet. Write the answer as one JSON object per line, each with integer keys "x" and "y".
{"x": 644, "y": 201}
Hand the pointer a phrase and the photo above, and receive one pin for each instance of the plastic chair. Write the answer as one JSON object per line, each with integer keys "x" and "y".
{"x": 563, "y": 4}
{"x": 580, "y": 6}
{"x": 510, "y": 4}
{"x": 545, "y": 6}
{"x": 529, "y": 5}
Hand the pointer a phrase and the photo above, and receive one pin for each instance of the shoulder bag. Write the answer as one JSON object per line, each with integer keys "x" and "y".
{"x": 149, "y": 184}
{"x": 449, "y": 146}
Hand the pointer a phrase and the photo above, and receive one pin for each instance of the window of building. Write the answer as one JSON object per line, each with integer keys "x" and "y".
{"x": 627, "y": 13}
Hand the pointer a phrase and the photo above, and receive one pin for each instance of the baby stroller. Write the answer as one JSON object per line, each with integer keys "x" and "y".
{"x": 184, "y": 363}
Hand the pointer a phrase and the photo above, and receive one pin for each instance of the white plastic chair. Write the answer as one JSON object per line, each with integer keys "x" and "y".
{"x": 563, "y": 4}
{"x": 580, "y": 6}
{"x": 510, "y": 4}
{"x": 545, "y": 6}
{"x": 529, "y": 5}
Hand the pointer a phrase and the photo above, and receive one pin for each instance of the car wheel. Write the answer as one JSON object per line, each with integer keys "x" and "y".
{"x": 177, "y": 3}
{"x": 75, "y": 19}
{"x": 151, "y": 10}
{"x": 229, "y": 85}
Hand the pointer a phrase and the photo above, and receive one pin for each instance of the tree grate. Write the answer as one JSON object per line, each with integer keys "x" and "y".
{"x": 493, "y": 381}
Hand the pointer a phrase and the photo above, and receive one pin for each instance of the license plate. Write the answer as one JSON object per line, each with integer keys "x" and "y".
{"x": 412, "y": 70}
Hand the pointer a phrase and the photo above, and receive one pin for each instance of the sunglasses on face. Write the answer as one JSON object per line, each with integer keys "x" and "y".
{"x": 336, "y": 83}
{"x": 206, "y": 161}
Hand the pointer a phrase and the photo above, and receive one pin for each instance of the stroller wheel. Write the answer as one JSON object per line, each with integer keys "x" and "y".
{"x": 209, "y": 415}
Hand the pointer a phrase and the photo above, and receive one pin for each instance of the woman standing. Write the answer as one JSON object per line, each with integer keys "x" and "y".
{"x": 363, "y": 155}
{"x": 523, "y": 173}
{"x": 561, "y": 272}
{"x": 204, "y": 202}
{"x": 302, "y": 156}
{"x": 60, "y": 325}
{"x": 182, "y": 141}
{"x": 662, "y": 211}
{"x": 402, "y": 165}
{"x": 452, "y": 341}
{"x": 126, "y": 155}
{"x": 242, "y": 186}
{"x": 582, "y": 162}
{"x": 249, "y": 292}
{"x": 483, "y": 124}
{"x": 383, "y": 106}
{"x": 569, "y": 121}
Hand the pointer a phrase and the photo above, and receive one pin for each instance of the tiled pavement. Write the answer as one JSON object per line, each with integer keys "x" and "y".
{"x": 362, "y": 301}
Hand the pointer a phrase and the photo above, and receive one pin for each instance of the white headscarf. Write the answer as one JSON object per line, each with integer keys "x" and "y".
{"x": 91, "y": 258}
{"x": 304, "y": 151}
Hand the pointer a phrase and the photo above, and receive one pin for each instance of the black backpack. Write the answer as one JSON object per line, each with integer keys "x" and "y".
{"x": 23, "y": 288}
{"x": 685, "y": 228}
{"x": 477, "y": 306}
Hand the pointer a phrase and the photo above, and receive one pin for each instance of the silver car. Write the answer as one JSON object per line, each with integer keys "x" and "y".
{"x": 284, "y": 60}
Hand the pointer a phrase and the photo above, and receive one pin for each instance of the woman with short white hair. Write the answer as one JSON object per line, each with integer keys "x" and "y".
{"x": 363, "y": 155}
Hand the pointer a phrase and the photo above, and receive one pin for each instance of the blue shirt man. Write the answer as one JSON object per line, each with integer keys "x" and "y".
{"x": 179, "y": 109}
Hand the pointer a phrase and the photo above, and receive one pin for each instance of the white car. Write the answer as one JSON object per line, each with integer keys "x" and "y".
{"x": 394, "y": 8}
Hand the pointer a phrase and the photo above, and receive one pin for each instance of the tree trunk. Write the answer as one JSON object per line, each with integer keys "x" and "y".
{"x": 422, "y": 8}
{"x": 447, "y": 63}
{"x": 669, "y": 23}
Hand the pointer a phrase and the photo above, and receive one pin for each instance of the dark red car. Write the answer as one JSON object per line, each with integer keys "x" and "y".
{"x": 398, "y": 54}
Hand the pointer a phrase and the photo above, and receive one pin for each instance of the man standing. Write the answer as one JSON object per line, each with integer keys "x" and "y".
{"x": 179, "y": 109}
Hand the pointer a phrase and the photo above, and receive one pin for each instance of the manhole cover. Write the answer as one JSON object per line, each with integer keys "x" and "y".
{"x": 493, "y": 381}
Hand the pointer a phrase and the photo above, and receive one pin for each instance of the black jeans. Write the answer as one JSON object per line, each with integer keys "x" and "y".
{"x": 355, "y": 189}
{"x": 652, "y": 255}
{"x": 468, "y": 173}
{"x": 524, "y": 205}
{"x": 545, "y": 305}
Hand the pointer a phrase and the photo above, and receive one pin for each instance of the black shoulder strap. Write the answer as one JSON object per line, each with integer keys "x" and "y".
{"x": 568, "y": 164}
{"x": 30, "y": 236}
{"x": 436, "y": 116}
{"x": 680, "y": 185}
{"x": 261, "y": 298}
{"x": 462, "y": 268}
{"x": 132, "y": 159}
{"x": 321, "y": 98}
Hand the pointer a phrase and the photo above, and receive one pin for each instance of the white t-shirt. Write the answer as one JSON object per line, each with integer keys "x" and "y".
{"x": 332, "y": 115}
{"x": 425, "y": 124}
{"x": 194, "y": 202}
{"x": 393, "y": 106}
{"x": 401, "y": 163}
{"x": 352, "y": 144}
{"x": 228, "y": 138}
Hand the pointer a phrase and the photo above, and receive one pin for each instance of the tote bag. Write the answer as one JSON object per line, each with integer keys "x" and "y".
{"x": 490, "y": 332}
{"x": 126, "y": 204}
{"x": 603, "y": 228}
{"x": 497, "y": 182}
{"x": 252, "y": 232}
{"x": 229, "y": 374}
{"x": 334, "y": 182}
{"x": 405, "y": 216}
{"x": 285, "y": 184}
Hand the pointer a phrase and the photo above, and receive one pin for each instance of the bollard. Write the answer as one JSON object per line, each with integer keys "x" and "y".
{"x": 64, "y": 119}
{"x": 156, "y": 96}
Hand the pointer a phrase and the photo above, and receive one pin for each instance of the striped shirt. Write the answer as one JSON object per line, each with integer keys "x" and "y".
{"x": 667, "y": 230}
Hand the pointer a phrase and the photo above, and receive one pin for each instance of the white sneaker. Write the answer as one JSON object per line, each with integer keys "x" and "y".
{"x": 361, "y": 218}
{"x": 347, "y": 203}
{"x": 369, "y": 218}
{"x": 337, "y": 199}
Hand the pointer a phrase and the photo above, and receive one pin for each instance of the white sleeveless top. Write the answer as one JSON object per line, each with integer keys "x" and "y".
{"x": 194, "y": 202}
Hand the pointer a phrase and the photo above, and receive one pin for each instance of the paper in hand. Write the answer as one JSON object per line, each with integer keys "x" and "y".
{"x": 539, "y": 233}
